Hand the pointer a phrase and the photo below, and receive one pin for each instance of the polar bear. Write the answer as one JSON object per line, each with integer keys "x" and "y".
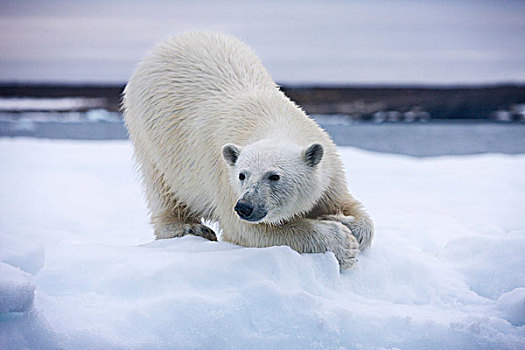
{"x": 215, "y": 138}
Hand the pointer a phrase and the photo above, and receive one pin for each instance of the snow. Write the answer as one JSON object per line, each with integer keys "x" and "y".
{"x": 23, "y": 254}
{"x": 512, "y": 306}
{"x": 53, "y": 104}
{"x": 16, "y": 290}
{"x": 91, "y": 116}
{"x": 446, "y": 268}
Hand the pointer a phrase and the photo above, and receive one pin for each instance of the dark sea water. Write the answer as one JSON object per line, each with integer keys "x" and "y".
{"x": 432, "y": 138}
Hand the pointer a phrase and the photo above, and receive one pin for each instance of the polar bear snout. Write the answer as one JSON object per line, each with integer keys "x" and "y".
{"x": 244, "y": 210}
{"x": 248, "y": 212}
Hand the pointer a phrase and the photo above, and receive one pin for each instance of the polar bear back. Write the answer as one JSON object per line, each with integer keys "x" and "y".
{"x": 196, "y": 92}
{"x": 203, "y": 65}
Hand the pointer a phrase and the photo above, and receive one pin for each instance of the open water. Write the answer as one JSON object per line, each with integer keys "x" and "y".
{"x": 431, "y": 138}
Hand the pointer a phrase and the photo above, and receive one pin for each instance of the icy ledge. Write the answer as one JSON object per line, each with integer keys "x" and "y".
{"x": 17, "y": 289}
{"x": 445, "y": 270}
{"x": 18, "y": 260}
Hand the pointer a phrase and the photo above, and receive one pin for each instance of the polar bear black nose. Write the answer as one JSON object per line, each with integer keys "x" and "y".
{"x": 244, "y": 210}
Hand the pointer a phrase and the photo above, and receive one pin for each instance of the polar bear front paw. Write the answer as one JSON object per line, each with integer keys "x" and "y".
{"x": 200, "y": 230}
{"x": 342, "y": 243}
{"x": 178, "y": 229}
{"x": 361, "y": 227}
{"x": 349, "y": 250}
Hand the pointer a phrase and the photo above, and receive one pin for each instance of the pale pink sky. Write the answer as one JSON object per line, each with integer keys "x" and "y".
{"x": 300, "y": 42}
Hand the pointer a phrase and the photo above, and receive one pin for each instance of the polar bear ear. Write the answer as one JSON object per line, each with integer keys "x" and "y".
{"x": 313, "y": 154}
{"x": 230, "y": 152}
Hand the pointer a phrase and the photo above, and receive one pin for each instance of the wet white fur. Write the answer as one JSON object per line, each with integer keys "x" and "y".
{"x": 198, "y": 91}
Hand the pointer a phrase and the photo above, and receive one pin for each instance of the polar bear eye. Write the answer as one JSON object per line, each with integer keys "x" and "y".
{"x": 274, "y": 177}
{"x": 242, "y": 176}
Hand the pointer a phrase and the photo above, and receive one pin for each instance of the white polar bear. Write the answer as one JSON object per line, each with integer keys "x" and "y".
{"x": 215, "y": 138}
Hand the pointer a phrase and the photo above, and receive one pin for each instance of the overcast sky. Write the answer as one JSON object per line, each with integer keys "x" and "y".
{"x": 300, "y": 42}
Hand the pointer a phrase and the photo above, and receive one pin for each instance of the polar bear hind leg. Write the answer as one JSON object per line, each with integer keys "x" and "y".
{"x": 170, "y": 217}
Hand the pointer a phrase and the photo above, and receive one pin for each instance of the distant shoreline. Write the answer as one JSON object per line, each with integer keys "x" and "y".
{"x": 410, "y": 120}
{"x": 505, "y": 102}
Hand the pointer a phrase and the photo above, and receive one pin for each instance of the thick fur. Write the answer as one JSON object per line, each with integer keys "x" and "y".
{"x": 199, "y": 91}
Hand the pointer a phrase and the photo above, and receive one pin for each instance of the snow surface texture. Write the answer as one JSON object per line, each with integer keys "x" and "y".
{"x": 446, "y": 269}
{"x": 53, "y": 104}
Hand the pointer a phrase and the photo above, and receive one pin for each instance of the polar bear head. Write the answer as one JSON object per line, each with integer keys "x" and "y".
{"x": 274, "y": 181}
